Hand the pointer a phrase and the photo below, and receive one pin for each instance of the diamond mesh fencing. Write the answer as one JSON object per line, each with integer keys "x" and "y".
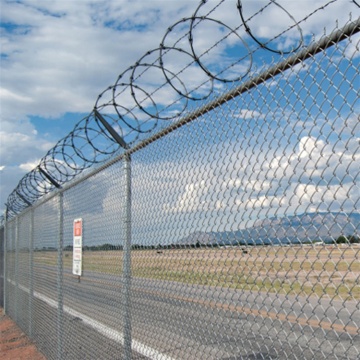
{"x": 224, "y": 225}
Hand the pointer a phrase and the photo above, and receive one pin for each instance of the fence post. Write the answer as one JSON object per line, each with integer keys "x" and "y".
{"x": 31, "y": 268}
{"x": 127, "y": 260}
{"x": 60, "y": 279}
{"x": 16, "y": 267}
{"x": 5, "y": 260}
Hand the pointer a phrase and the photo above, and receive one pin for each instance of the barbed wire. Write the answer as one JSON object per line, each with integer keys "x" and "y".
{"x": 154, "y": 91}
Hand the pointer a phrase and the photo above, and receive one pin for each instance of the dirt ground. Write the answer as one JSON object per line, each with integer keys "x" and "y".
{"x": 14, "y": 344}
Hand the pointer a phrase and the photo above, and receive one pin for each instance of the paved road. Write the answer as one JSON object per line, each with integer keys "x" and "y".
{"x": 183, "y": 321}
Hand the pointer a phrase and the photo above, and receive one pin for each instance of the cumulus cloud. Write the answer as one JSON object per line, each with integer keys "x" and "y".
{"x": 29, "y": 165}
{"x": 317, "y": 175}
{"x": 21, "y": 144}
{"x": 248, "y": 114}
{"x": 57, "y": 57}
{"x": 49, "y": 71}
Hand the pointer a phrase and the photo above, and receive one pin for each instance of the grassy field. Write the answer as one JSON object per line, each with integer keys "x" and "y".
{"x": 332, "y": 271}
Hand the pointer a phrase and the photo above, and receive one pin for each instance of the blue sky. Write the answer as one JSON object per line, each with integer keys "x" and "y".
{"x": 57, "y": 56}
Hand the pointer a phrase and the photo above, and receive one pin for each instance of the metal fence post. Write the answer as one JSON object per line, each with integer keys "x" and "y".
{"x": 5, "y": 259}
{"x": 127, "y": 260}
{"x": 31, "y": 268}
{"x": 16, "y": 267}
{"x": 60, "y": 279}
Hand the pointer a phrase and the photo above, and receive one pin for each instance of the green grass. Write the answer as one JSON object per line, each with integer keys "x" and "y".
{"x": 296, "y": 271}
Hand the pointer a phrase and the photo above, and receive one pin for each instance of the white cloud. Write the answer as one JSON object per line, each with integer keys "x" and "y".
{"x": 29, "y": 165}
{"x": 352, "y": 49}
{"x": 50, "y": 70}
{"x": 7, "y": 95}
{"x": 325, "y": 17}
{"x": 316, "y": 175}
{"x": 58, "y": 56}
{"x": 20, "y": 148}
{"x": 248, "y": 114}
{"x": 19, "y": 145}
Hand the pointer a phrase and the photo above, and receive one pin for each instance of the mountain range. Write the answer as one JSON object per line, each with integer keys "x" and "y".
{"x": 297, "y": 229}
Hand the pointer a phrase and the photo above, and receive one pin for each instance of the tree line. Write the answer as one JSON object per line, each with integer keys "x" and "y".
{"x": 342, "y": 239}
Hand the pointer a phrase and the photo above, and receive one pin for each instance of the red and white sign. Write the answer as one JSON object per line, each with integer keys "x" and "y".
{"x": 77, "y": 254}
{"x": 77, "y": 247}
{"x": 78, "y": 227}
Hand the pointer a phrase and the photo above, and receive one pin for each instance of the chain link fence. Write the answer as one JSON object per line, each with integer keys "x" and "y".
{"x": 225, "y": 225}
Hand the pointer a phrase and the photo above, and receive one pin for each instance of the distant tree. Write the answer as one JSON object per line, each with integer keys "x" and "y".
{"x": 350, "y": 239}
{"x": 107, "y": 247}
{"x": 341, "y": 240}
{"x": 353, "y": 239}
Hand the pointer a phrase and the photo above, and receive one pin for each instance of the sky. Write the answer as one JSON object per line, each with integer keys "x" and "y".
{"x": 57, "y": 57}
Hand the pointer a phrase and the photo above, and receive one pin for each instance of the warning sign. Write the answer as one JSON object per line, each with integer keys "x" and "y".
{"x": 77, "y": 247}
{"x": 77, "y": 254}
{"x": 78, "y": 227}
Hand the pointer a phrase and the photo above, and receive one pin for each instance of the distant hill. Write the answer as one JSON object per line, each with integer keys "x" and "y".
{"x": 297, "y": 229}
